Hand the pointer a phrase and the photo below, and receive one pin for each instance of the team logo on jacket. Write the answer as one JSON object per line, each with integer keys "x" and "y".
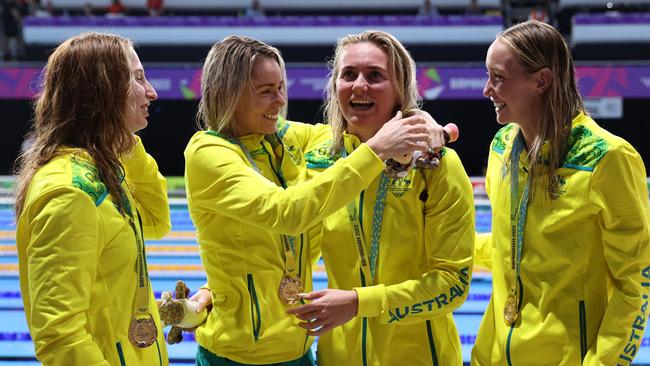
{"x": 295, "y": 154}
{"x": 558, "y": 189}
{"x": 399, "y": 186}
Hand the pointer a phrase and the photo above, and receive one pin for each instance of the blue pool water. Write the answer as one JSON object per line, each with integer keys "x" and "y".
{"x": 16, "y": 347}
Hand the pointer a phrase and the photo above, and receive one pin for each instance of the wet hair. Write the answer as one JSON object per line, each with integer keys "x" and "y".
{"x": 81, "y": 104}
{"x": 538, "y": 45}
{"x": 227, "y": 74}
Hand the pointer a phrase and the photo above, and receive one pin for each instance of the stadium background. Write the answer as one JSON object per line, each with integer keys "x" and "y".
{"x": 610, "y": 41}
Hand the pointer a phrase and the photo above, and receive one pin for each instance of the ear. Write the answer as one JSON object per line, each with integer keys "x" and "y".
{"x": 543, "y": 79}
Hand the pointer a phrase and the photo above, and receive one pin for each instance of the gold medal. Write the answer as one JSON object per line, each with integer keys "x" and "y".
{"x": 289, "y": 289}
{"x": 510, "y": 311}
{"x": 142, "y": 332}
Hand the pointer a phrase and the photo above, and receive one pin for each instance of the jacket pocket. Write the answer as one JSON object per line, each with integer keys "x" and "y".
{"x": 583, "y": 330}
{"x": 256, "y": 318}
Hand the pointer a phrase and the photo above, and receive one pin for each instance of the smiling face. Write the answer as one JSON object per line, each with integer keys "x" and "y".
{"x": 259, "y": 106}
{"x": 513, "y": 90}
{"x": 140, "y": 96}
{"x": 365, "y": 89}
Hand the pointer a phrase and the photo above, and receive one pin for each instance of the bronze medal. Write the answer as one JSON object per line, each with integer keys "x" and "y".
{"x": 143, "y": 332}
{"x": 510, "y": 311}
{"x": 289, "y": 290}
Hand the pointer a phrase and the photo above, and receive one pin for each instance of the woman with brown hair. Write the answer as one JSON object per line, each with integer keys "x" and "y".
{"x": 88, "y": 195}
{"x": 569, "y": 248}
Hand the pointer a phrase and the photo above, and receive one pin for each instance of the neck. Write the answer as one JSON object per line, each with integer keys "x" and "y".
{"x": 364, "y": 134}
{"x": 529, "y": 137}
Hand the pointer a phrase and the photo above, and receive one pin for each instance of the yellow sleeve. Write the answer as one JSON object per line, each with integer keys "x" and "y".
{"x": 619, "y": 188}
{"x": 311, "y": 136}
{"x": 483, "y": 241}
{"x": 62, "y": 266}
{"x": 449, "y": 238}
{"x": 483, "y": 250}
{"x": 220, "y": 180}
{"x": 149, "y": 189}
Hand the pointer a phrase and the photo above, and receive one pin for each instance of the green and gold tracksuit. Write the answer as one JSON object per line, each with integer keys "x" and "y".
{"x": 423, "y": 265}
{"x": 585, "y": 260}
{"x": 77, "y": 259}
{"x": 240, "y": 215}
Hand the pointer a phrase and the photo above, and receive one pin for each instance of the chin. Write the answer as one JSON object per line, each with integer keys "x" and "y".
{"x": 502, "y": 120}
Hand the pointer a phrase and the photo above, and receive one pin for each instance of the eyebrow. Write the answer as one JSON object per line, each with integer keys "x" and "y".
{"x": 372, "y": 67}
{"x": 266, "y": 85}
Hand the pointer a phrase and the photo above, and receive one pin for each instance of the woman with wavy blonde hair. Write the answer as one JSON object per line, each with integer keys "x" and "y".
{"x": 569, "y": 248}
{"x": 399, "y": 255}
{"x": 88, "y": 195}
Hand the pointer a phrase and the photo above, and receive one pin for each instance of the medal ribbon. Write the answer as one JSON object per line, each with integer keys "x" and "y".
{"x": 142, "y": 289}
{"x": 369, "y": 265}
{"x": 288, "y": 241}
{"x": 518, "y": 208}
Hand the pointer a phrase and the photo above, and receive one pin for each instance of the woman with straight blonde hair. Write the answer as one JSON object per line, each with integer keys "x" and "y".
{"x": 247, "y": 196}
{"x": 569, "y": 249}
{"x": 399, "y": 255}
{"x": 88, "y": 195}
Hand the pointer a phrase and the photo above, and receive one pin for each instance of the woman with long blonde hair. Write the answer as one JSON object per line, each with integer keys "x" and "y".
{"x": 399, "y": 255}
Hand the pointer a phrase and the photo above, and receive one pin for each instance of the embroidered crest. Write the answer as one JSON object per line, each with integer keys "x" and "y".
{"x": 295, "y": 154}
{"x": 400, "y": 186}
{"x": 321, "y": 158}
{"x": 501, "y": 138}
{"x": 86, "y": 177}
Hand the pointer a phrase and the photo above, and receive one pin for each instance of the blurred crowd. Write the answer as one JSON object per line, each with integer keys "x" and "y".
{"x": 12, "y": 13}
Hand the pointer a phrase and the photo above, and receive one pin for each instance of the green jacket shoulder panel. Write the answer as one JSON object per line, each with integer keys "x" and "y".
{"x": 502, "y": 138}
{"x": 586, "y": 149}
{"x": 86, "y": 178}
{"x": 321, "y": 157}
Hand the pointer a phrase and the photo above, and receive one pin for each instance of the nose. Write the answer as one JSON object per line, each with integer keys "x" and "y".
{"x": 360, "y": 83}
{"x": 150, "y": 92}
{"x": 487, "y": 89}
{"x": 280, "y": 99}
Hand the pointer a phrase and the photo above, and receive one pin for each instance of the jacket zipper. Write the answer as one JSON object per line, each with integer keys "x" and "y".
{"x": 583, "y": 330}
{"x": 432, "y": 344}
{"x": 120, "y": 353}
{"x": 364, "y": 321}
{"x": 277, "y": 167}
{"x": 256, "y": 318}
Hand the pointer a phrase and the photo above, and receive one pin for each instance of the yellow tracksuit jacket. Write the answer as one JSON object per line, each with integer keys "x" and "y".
{"x": 585, "y": 267}
{"x": 423, "y": 267}
{"x": 240, "y": 214}
{"x": 77, "y": 260}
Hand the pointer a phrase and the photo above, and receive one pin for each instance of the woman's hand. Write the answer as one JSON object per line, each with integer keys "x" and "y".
{"x": 436, "y": 134}
{"x": 329, "y": 309}
{"x": 203, "y": 298}
{"x": 401, "y": 136}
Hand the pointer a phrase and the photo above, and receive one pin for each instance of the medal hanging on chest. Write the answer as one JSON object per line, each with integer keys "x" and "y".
{"x": 518, "y": 209}
{"x": 143, "y": 332}
{"x": 510, "y": 309}
{"x": 290, "y": 289}
{"x": 290, "y": 286}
